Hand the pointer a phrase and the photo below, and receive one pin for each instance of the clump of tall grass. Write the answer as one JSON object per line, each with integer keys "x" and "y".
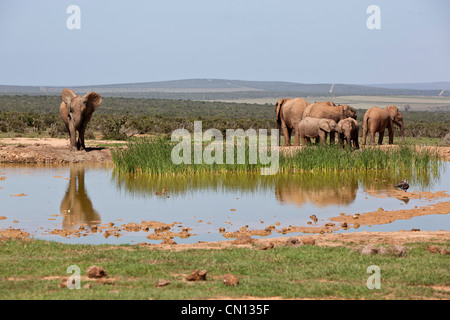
{"x": 154, "y": 157}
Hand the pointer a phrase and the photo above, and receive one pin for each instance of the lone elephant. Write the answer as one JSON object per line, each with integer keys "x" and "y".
{"x": 349, "y": 132}
{"x": 378, "y": 120}
{"x": 76, "y": 111}
{"x": 316, "y": 128}
{"x": 289, "y": 113}
{"x": 328, "y": 110}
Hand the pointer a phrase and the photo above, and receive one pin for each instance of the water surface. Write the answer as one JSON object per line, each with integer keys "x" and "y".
{"x": 39, "y": 199}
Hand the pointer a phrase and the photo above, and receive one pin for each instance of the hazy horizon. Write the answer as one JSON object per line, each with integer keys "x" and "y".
{"x": 305, "y": 42}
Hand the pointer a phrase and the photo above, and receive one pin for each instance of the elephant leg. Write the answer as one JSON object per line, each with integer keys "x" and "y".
{"x": 332, "y": 137}
{"x": 308, "y": 140}
{"x": 364, "y": 136}
{"x": 372, "y": 137}
{"x": 297, "y": 137}
{"x": 73, "y": 136}
{"x": 380, "y": 138}
{"x": 81, "y": 131}
{"x": 391, "y": 135}
{"x": 287, "y": 136}
{"x": 304, "y": 141}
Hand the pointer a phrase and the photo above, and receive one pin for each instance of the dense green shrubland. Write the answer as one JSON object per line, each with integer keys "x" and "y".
{"x": 118, "y": 118}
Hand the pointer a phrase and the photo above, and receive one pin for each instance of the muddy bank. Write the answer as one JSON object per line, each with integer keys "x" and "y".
{"x": 51, "y": 151}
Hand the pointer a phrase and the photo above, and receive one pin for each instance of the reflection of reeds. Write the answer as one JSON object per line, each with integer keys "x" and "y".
{"x": 154, "y": 157}
{"x": 330, "y": 183}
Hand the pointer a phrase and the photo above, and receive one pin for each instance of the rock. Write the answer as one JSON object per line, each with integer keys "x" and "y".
{"x": 308, "y": 240}
{"x": 314, "y": 218}
{"x": 243, "y": 239}
{"x": 162, "y": 283}
{"x": 433, "y": 249}
{"x": 269, "y": 246}
{"x": 168, "y": 241}
{"x": 230, "y": 280}
{"x": 96, "y": 272}
{"x": 382, "y": 251}
{"x": 399, "y": 251}
{"x": 369, "y": 249}
{"x": 292, "y": 241}
{"x": 197, "y": 275}
{"x": 87, "y": 286}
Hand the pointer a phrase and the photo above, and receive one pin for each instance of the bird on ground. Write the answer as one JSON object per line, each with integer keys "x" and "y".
{"x": 404, "y": 185}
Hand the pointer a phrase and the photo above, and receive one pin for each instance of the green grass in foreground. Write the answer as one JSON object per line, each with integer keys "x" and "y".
{"x": 33, "y": 270}
{"x": 154, "y": 157}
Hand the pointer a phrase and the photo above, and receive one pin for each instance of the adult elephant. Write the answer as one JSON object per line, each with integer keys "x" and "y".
{"x": 378, "y": 120}
{"x": 349, "y": 132}
{"x": 289, "y": 113}
{"x": 328, "y": 110}
{"x": 76, "y": 111}
{"x": 316, "y": 128}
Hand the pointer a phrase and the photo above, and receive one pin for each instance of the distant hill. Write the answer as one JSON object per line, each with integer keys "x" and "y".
{"x": 215, "y": 89}
{"x": 415, "y": 86}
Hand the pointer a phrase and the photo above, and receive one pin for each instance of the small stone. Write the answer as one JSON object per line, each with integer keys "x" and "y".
{"x": 399, "y": 251}
{"x": 87, "y": 286}
{"x": 168, "y": 241}
{"x": 269, "y": 246}
{"x": 230, "y": 280}
{"x": 292, "y": 241}
{"x": 433, "y": 249}
{"x": 243, "y": 239}
{"x": 162, "y": 283}
{"x": 368, "y": 250}
{"x": 95, "y": 272}
{"x": 197, "y": 275}
{"x": 308, "y": 240}
{"x": 383, "y": 251}
{"x": 313, "y": 218}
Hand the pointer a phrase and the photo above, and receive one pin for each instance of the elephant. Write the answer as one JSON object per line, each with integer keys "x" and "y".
{"x": 316, "y": 128}
{"x": 378, "y": 120}
{"x": 329, "y": 110}
{"x": 76, "y": 111}
{"x": 289, "y": 113}
{"x": 349, "y": 132}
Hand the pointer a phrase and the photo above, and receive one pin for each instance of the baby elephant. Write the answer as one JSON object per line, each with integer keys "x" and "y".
{"x": 316, "y": 128}
{"x": 349, "y": 132}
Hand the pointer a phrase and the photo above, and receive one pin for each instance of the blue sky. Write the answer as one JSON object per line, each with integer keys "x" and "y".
{"x": 321, "y": 41}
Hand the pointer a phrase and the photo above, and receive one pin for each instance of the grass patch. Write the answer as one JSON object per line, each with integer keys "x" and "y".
{"x": 154, "y": 157}
{"x": 33, "y": 270}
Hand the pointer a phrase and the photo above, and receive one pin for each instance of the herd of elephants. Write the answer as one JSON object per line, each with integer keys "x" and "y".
{"x": 306, "y": 120}
{"x": 318, "y": 119}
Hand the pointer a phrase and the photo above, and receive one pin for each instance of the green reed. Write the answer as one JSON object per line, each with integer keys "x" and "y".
{"x": 154, "y": 157}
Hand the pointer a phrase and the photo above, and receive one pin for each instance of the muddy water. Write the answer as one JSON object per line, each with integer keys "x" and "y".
{"x": 92, "y": 204}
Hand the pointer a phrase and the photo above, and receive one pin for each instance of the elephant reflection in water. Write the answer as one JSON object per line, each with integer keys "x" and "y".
{"x": 76, "y": 206}
{"x": 320, "y": 191}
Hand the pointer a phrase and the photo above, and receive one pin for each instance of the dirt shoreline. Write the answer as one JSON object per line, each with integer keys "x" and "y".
{"x": 56, "y": 151}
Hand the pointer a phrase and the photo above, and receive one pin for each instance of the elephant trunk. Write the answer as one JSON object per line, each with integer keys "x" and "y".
{"x": 402, "y": 130}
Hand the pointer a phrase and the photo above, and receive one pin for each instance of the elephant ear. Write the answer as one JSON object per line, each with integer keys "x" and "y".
{"x": 324, "y": 125}
{"x": 93, "y": 100}
{"x": 67, "y": 96}
{"x": 278, "y": 107}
